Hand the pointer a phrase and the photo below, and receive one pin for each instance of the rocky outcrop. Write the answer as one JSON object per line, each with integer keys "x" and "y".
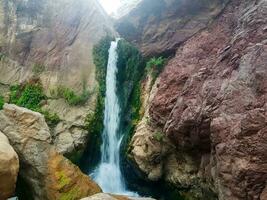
{"x": 48, "y": 174}
{"x": 211, "y": 103}
{"x": 54, "y": 40}
{"x": 56, "y": 36}
{"x": 148, "y": 141}
{"x": 159, "y": 27}
{"x": 9, "y": 168}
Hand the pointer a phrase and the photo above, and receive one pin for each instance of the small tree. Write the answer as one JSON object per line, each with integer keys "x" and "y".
{"x": 155, "y": 66}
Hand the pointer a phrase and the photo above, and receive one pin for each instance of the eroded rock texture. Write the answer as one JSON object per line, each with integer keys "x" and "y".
{"x": 211, "y": 103}
{"x": 48, "y": 174}
{"x": 159, "y": 27}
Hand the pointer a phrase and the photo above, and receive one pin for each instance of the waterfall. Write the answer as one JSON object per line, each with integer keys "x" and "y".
{"x": 108, "y": 174}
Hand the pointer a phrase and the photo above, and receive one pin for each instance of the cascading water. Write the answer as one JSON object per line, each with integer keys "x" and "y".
{"x": 108, "y": 174}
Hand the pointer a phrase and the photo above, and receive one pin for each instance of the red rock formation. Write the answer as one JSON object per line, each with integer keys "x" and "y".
{"x": 159, "y": 27}
{"x": 212, "y": 98}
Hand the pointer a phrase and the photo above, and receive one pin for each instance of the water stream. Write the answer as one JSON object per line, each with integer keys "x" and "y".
{"x": 108, "y": 174}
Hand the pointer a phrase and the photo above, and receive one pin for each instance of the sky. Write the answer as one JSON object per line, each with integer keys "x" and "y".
{"x": 111, "y": 6}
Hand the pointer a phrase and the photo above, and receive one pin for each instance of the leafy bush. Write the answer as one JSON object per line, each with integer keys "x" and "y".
{"x": 15, "y": 91}
{"x": 158, "y": 136}
{"x": 2, "y": 102}
{"x": 38, "y": 69}
{"x": 52, "y": 119}
{"x": 70, "y": 96}
{"x": 29, "y": 95}
{"x": 2, "y": 57}
{"x": 155, "y": 66}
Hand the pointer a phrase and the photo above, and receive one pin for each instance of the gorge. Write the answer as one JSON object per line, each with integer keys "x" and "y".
{"x": 176, "y": 109}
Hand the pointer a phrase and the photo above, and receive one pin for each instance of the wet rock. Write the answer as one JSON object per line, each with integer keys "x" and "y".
{"x": 9, "y": 168}
{"x": 48, "y": 174}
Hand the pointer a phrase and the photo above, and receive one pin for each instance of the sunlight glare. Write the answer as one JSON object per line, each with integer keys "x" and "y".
{"x": 111, "y": 6}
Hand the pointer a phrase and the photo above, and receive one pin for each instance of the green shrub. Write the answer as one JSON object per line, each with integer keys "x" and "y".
{"x": 158, "y": 136}
{"x": 70, "y": 96}
{"x": 2, "y": 57}
{"x": 38, "y": 69}
{"x": 2, "y": 102}
{"x": 155, "y": 66}
{"x": 15, "y": 92}
{"x": 52, "y": 119}
{"x": 29, "y": 95}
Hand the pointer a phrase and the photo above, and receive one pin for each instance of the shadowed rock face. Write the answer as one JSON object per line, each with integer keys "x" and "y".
{"x": 159, "y": 27}
{"x": 48, "y": 174}
{"x": 211, "y": 103}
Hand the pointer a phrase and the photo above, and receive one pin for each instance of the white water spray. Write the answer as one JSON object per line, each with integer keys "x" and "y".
{"x": 108, "y": 174}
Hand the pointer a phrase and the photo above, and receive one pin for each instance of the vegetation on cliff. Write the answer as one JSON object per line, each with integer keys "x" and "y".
{"x": 1, "y": 102}
{"x": 70, "y": 96}
{"x": 154, "y": 66}
{"x": 94, "y": 120}
{"x": 130, "y": 73}
{"x": 31, "y": 95}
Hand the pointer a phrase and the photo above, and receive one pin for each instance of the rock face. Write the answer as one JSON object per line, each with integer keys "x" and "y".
{"x": 48, "y": 174}
{"x": 58, "y": 35}
{"x": 159, "y": 27}
{"x": 9, "y": 168}
{"x": 148, "y": 141}
{"x": 53, "y": 40}
{"x": 211, "y": 103}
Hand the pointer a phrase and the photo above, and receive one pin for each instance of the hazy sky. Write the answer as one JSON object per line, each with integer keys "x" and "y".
{"x": 111, "y": 5}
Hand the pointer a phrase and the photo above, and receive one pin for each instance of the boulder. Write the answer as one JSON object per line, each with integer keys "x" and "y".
{"x": 48, "y": 174}
{"x": 9, "y": 168}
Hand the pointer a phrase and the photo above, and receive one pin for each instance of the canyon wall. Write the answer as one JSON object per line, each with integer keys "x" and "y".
{"x": 159, "y": 27}
{"x": 205, "y": 126}
{"x": 53, "y": 40}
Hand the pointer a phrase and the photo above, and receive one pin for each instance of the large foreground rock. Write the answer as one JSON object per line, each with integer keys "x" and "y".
{"x": 48, "y": 174}
{"x": 9, "y": 168}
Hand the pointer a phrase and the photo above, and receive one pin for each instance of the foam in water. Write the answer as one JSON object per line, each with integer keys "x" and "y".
{"x": 108, "y": 174}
